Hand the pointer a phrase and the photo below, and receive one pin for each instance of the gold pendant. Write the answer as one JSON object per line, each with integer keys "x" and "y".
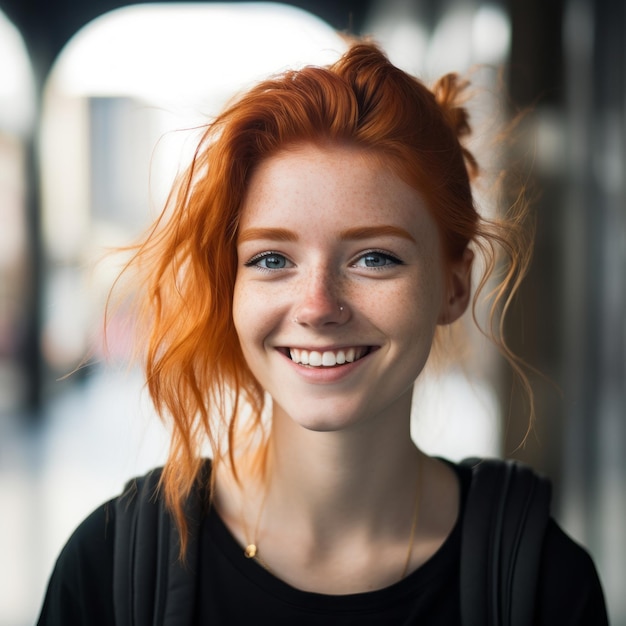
{"x": 250, "y": 551}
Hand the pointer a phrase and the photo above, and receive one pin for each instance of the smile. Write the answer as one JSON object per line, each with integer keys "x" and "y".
{"x": 327, "y": 358}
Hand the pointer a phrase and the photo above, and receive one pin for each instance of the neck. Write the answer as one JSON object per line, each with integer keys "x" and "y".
{"x": 342, "y": 480}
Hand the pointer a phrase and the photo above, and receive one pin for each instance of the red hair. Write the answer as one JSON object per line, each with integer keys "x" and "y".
{"x": 196, "y": 373}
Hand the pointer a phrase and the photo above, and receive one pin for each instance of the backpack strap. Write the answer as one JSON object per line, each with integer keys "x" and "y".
{"x": 151, "y": 585}
{"x": 506, "y": 514}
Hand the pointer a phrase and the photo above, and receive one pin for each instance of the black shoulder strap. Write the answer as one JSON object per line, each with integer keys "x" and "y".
{"x": 151, "y": 585}
{"x": 505, "y": 518}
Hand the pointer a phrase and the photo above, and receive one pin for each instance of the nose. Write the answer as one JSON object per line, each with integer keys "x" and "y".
{"x": 319, "y": 302}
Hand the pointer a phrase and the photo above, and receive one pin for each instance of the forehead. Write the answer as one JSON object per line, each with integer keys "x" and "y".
{"x": 304, "y": 160}
{"x": 329, "y": 184}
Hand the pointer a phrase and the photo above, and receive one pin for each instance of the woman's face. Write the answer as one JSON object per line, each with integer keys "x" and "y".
{"x": 340, "y": 286}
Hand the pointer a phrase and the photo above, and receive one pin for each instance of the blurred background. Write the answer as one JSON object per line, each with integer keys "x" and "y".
{"x": 98, "y": 105}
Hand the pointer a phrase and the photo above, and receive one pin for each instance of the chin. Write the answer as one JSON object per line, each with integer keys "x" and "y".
{"x": 328, "y": 420}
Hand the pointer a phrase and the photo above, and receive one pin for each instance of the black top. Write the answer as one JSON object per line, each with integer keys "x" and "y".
{"x": 235, "y": 590}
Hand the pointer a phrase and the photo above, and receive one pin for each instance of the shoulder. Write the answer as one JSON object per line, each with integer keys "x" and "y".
{"x": 508, "y": 503}
{"x": 86, "y": 576}
{"x": 569, "y": 589}
{"x": 80, "y": 587}
{"x": 80, "y": 590}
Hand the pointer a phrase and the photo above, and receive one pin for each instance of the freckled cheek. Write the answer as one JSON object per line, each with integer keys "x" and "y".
{"x": 414, "y": 307}
{"x": 255, "y": 314}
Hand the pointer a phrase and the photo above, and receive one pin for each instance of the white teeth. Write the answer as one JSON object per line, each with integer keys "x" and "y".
{"x": 328, "y": 358}
{"x": 315, "y": 358}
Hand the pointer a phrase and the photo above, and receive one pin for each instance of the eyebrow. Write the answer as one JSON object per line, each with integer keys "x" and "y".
{"x": 272, "y": 234}
{"x": 352, "y": 234}
{"x": 369, "y": 232}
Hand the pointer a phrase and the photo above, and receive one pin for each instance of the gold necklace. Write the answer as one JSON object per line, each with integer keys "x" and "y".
{"x": 251, "y": 550}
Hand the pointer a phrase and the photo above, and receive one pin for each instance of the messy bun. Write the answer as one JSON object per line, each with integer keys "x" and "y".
{"x": 450, "y": 95}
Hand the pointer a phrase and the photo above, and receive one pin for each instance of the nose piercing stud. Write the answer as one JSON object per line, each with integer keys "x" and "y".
{"x": 340, "y": 309}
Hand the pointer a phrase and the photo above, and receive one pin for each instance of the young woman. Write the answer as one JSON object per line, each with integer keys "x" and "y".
{"x": 313, "y": 254}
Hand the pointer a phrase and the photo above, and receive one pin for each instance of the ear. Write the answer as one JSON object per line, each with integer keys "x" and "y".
{"x": 458, "y": 288}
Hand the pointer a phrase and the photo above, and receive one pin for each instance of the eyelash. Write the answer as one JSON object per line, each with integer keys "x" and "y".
{"x": 256, "y": 259}
{"x": 379, "y": 253}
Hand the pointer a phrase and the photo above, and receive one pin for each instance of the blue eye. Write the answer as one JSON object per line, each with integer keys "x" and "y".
{"x": 377, "y": 259}
{"x": 268, "y": 261}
